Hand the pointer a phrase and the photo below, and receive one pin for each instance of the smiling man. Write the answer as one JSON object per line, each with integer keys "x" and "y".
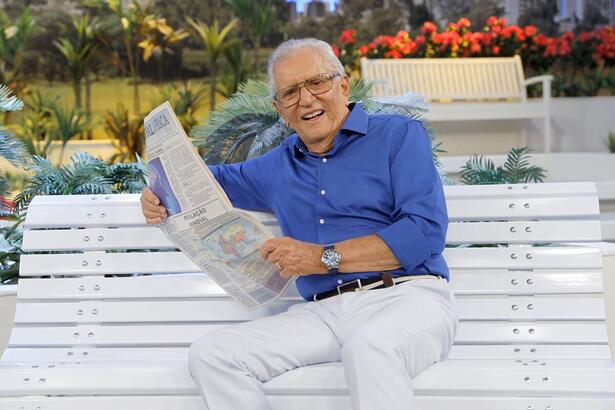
{"x": 362, "y": 209}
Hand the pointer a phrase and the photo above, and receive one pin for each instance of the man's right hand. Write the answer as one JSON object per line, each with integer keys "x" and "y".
{"x": 150, "y": 206}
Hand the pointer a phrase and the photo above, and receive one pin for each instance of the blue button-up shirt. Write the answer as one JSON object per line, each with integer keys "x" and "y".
{"x": 379, "y": 178}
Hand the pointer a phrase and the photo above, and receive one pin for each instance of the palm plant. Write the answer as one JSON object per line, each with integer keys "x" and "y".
{"x": 127, "y": 131}
{"x": 517, "y": 169}
{"x": 68, "y": 124}
{"x": 78, "y": 49}
{"x": 84, "y": 175}
{"x": 158, "y": 39}
{"x": 10, "y": 148}
{"x": 215, "y": 42}
{"x": 237, "y": 70}
{"x": 14, "y": 35}
{"x": 134, "y": 21}
{"x": 258, "y": 18}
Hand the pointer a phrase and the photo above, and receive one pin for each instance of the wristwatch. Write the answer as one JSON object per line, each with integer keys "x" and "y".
{"x": 331, "y": 258}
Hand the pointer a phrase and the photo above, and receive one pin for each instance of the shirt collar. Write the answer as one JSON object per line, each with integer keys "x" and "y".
{"x": 355, "y": 124}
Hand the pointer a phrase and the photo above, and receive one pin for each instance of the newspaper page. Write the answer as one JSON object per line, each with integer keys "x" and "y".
{"x": 222, "y": 241}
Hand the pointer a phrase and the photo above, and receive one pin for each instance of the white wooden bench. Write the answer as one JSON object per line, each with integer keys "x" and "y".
{"x": 104, "y": 322}
{"x": 464, "y": 89}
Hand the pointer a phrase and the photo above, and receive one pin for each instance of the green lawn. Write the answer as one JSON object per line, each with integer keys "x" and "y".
{"x": 106, "y": 94}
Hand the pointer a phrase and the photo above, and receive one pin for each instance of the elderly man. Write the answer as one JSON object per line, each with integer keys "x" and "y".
{"x": 363, "y": 211}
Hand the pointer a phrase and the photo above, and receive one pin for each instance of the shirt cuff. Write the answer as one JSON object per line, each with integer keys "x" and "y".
{"x": 407, "y": 243}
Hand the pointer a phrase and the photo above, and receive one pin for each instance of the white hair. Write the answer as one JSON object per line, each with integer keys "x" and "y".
{"x": 293, "y": 46}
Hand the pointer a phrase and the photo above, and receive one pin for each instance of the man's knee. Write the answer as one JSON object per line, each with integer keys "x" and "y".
{"x": 209, "y": 350}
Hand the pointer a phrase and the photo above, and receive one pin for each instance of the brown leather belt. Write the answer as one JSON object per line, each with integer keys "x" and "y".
{"x": 380, "y": 282}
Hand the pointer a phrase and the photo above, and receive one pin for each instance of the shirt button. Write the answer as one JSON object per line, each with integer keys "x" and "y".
{"x": 324, "y": 159}
{"x": 322, "y": 221}
{"x": 339, "y": 281}
{"x": 322, "y": 192}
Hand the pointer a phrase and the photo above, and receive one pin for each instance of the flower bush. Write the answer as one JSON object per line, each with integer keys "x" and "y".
{"x": 582, "y": 63}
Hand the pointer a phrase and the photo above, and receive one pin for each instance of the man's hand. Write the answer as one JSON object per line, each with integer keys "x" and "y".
{"x": 293, "y": 257}
{"x": 150, "y": 206}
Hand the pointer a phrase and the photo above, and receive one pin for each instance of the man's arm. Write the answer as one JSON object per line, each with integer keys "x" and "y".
{"x": 419, "y": 216}
{"x": 296, "y": 258}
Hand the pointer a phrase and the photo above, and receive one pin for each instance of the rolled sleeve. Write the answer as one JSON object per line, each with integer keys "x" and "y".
{"x": 419, "y": 218}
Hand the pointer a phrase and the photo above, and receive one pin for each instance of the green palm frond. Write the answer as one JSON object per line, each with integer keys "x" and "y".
{"x": 360, "y": 90}
{"x": 517, "y": 169}
{"x": 8, "y": 102}
{"x": 11, "y": 149}
{"x": 84, "y": 175}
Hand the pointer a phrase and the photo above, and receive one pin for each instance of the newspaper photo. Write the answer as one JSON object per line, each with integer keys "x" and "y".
{"x": 222, "y": 241}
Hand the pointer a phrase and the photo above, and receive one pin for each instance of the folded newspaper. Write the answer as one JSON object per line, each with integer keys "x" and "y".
{"x": 222, "y": 241}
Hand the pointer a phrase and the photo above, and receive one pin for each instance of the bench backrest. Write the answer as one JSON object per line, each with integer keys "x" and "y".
{"x": 98, "y": 284}
{"x": 450, "y": 79}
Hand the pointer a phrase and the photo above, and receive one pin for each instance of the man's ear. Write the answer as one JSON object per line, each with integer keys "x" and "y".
{"x": 280, "y": 111}
{"x": 345, "y": 85}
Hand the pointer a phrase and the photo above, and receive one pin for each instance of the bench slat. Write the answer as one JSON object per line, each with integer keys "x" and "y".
{"x": 458, "y": 352}
{"x": 484, "y": 332}
{"x": 463, "y": 282}
{"x": 186, "y": 311}
{"x": 593, "y": 379}
{"x": 523, "y": 232}
{"x": 305, "y": 402}
{"x": 99, "y": 263}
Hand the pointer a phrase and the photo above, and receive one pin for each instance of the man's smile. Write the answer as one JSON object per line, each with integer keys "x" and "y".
{"x": 312, "y": 116}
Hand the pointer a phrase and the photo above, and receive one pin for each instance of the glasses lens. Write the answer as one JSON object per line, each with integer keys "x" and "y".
{"x": 319, "y": 84}
{"x": 289, "y": 96}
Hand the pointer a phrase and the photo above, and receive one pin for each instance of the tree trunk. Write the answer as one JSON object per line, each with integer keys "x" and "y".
{"x": 77, "y": 89}
{"x": 88, "y": 103}
{"x": 212, "y": 91}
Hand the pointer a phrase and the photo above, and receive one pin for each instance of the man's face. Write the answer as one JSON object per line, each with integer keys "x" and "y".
{"x": 315, "y": 118}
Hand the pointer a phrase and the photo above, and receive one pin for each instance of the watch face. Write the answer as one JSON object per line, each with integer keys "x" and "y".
{"x": 331, "y": 258}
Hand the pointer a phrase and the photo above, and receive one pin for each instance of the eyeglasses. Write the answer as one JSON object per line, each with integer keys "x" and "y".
{"x": 319, "y": 84}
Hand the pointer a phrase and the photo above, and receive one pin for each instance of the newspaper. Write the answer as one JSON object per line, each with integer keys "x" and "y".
{"x": 222, "y": 241}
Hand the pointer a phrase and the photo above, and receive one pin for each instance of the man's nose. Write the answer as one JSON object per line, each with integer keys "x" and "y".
{"x": 305, "y": 97}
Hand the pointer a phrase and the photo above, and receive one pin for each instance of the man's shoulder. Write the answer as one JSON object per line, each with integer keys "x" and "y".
{"x": 395, "y": 126}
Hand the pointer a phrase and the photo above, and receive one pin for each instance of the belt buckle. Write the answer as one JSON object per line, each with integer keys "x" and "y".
{"x": 357, "y": 281}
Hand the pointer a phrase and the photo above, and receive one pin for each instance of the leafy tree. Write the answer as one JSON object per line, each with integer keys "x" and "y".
{"x": 540, "y": 13}
{"x": 517, "y": 169}
{"x": 134, "y": 21}
{"x": 215, "y": 41}
{"x": 258, "y": 19}
{"x": 127, "y": 132}
{"x": 78, "y": 49}
{"x": 159, "y": 37}
{"x": 14, "y": 35}
{"x": 476, "y": 10}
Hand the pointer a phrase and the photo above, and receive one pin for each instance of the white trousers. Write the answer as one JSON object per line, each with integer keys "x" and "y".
{"x": 383, "y": 337}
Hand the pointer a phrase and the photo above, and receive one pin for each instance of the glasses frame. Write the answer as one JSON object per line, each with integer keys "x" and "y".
{"x": 303, "y": 84}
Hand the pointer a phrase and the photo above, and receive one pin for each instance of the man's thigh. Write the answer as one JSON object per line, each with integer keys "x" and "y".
{"x": 415, "y": 320}
{"x": 272, "y": 345}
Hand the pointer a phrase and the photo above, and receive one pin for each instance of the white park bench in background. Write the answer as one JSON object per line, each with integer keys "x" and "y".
{"x": 464, "y": 89}
{"x": 107, "y": 309}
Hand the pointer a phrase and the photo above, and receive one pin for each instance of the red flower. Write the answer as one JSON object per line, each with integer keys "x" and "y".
{"x": 530, "y": 30}
{"x": 492, "y": 21}
{"x": 453, "y": 26}
{"x": 392, "y": 54}
{"x": 495, "y": 50}
{"x": 586, "y": 36}
{"x": 364, "y": 50}
{"x": 464, "y": 22}
{"x": 347, "y": 36}
{"x": 564, "y": 48}
{"x": 420, "y": 40}
{"x": 428, "y": 27}
{"x": 540, "y": 40}
{"x": 336, "y": 51}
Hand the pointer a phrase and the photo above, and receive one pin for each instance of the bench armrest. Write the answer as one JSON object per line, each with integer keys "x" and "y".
{"x": 537, "y": 79}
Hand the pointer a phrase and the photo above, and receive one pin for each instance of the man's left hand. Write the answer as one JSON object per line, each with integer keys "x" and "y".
{"x": 292, "y": 257}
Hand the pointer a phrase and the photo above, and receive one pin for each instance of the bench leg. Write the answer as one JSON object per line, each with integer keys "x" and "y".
{"x": 548, "y": 134}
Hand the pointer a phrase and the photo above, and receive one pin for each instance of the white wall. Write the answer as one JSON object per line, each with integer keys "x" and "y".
{"x": 579, "y": 124}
